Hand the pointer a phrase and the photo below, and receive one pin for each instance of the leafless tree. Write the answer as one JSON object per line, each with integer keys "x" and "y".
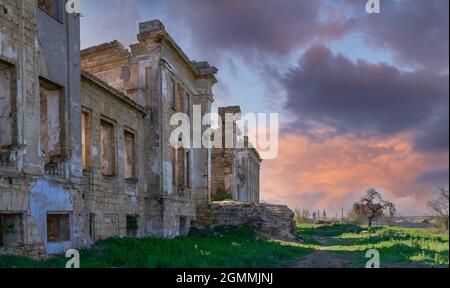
{"x": 439, "y": 206}
{"x": 372, "y": 205}
{"x": 302, "y": 215}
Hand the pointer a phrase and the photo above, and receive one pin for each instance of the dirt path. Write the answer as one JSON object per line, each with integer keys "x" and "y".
{"x": 321, "y": 258}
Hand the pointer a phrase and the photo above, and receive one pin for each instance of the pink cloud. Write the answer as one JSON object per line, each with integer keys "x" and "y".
{"x": 333, "y": 174}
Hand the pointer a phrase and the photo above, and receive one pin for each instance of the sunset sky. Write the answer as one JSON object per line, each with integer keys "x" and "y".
{"x": 362, "y": 98}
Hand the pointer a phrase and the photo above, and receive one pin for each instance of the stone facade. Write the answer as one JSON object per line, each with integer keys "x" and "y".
{"x": 269, "y": 221}
{"x": 85, "y": 148}
{"x": 247, "y": 182}
{"x": 40, "y": 151}
{"x": 156, "y": 74}
{"x": 86, "y": 155}
{"x": 235, "y": 170}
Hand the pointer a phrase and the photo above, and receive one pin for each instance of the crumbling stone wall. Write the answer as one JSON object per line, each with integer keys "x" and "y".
{"x": 269, "y": 221}
{"x": 109, "y": 198}
{"x": 235, "y": 170}
{"x": 156, "y": 74}
{"x": 34, "y": 47}
{"x": 52, "y": 175}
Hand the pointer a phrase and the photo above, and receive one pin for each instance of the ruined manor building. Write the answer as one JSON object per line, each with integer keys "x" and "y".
{"x": 84, "y": 136}
{"x": 235, "y": 170}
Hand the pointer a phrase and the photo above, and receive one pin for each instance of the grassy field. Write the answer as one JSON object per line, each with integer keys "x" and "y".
{"x": 239, "y": 248}
{"x": 223, "y": 248}
{"x": 398, "y": 247}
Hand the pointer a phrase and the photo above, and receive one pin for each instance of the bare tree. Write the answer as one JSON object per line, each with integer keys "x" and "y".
{"x": 372, "y": 206}
{"x": 302, "y": 216}
{"x": 439, "y": 206}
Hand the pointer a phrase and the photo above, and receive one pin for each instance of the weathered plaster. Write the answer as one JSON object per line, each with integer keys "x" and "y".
{"x": 48, "y": 197}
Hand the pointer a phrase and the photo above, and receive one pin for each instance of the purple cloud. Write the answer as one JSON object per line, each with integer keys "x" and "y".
{"x": 360, "y": 97}
{"x": 416, "y": 32}
{"x": 248, "y": 26}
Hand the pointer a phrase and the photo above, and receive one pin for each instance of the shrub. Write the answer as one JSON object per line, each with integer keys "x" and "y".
{"x": 221, "y": 194}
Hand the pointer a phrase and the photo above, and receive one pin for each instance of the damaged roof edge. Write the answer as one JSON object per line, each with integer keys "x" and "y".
{"x": 103, "y": 46}
{"x": 200, "y": 69}
{"x": 114, "y": 92}
{"x": 156, "y": 29}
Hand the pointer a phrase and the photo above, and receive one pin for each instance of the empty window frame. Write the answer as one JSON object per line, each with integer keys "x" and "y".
{"x": 130, "y": 154}
{"x": 6, "y": 92}
{"x": 173, "y": 159}
{"x": 187, "y": 109}
{"x": 172, "y": 91}
{"x": 181, "y": 168}
{"x": 58, "y": 227}
{"x": 180, "y": 94}
{"x": 108, "y": 153}
{"x": 188, "y": 169}
{"x": 10, "y": 230}
{"x": 52, "y": 8}
{"x": 183, "y": 226}
{"x": 92, "y": 226}
{"x": 86, "y": 139}
{"x": 132, "y": 225}
{"x": 51, "y": 124}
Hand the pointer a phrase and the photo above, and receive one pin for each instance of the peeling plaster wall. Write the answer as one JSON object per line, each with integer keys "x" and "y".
{"x": 35, "y": 45}
{"x": 47, "y": 197}
{"x": 60, "y": 42}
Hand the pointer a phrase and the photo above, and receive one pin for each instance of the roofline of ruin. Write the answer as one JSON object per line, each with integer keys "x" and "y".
{"x": 102, "y": 84}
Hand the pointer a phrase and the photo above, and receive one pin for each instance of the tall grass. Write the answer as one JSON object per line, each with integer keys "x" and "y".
{"x": 221, "y": 248}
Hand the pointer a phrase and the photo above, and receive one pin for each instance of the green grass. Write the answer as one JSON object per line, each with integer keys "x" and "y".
{"x": 239, "y": 248}
{"x": 221, "y": 248}
{"x": 398, "y": 247}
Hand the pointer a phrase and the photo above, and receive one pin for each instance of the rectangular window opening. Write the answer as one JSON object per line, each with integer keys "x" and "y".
{"x": 85, "y": 139}
{"x": 183, "y": 226}
{"x": 174, "y": 166}
{"x": 130, "y": 155}
{"x": 181, "y": 168}
{"x": 92, "y": 226}
{"x": 58, "y": 227}
{"x": 180, "y": 99}
{"x": 172, "y": 89}
{"x": 188, "y": 169}
{"x": 50, "y": 121}
{"x": 10, "y": 230}
{"x": 132, "y": 226}
{"x": 107, "y": 148}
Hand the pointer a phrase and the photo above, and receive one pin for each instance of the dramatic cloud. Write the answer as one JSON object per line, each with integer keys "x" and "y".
{"x": 249, "y": 26}
{"x": 361, "y": 98}
{"x": 416, "y": 32}
{"x": 353, "y": 124}
{"x": 434, "y": 136}
{"x": 333, "y": 174}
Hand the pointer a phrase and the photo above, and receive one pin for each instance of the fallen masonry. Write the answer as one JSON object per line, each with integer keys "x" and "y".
{"x": 269, "y": 221}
